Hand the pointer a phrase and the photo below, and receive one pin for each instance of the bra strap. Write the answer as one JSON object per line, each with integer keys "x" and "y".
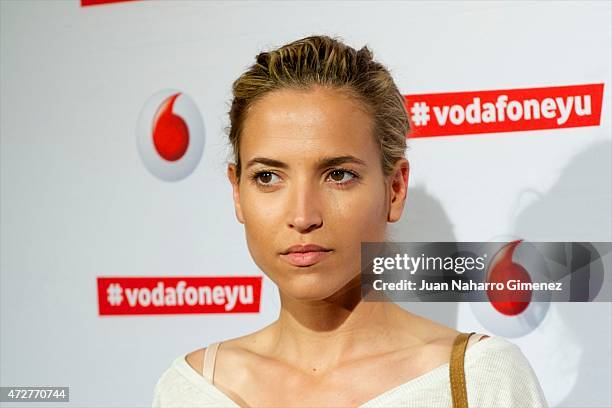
{"x": 457, "y": 374}
{"x": 210, "y": 355}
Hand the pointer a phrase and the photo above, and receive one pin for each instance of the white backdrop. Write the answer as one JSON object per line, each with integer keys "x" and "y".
{"x": 78, "y": 203}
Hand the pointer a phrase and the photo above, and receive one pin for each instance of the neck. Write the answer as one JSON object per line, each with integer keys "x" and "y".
{"x": 317, "y": 336}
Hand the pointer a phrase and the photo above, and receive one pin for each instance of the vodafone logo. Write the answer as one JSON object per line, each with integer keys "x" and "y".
{"x": 150, "y": 295}
{"x": 170, "y": 135}
{"x": 505, "y": 110}
{"x": 509, "y": 317}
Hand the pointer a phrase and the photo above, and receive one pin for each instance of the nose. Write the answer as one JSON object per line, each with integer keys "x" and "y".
{"x": 304, "y": 207}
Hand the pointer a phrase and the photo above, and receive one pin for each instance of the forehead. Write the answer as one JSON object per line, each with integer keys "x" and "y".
{"x": 307, "y": 123}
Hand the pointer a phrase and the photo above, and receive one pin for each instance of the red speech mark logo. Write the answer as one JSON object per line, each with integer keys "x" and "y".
{"x": 502, "y": 269}
{"x": 170, "y": 135}
{"x": 512, "y": 314}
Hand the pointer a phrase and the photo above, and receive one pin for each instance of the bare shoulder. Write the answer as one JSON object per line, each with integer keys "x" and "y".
{"x": 196, "y": 359}
{"x": 229, "y": 351}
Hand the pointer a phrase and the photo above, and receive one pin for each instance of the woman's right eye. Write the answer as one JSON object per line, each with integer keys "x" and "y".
{"x": 265, "y": 177}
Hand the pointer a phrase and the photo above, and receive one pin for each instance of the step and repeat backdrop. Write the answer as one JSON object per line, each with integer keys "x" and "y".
{"x": 120, "y": 249}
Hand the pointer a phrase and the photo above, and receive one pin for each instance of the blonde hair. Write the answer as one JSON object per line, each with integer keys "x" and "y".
{"x": 325, "y": 61}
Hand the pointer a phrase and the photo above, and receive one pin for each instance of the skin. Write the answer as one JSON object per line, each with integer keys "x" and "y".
{"x": 325, "y": 339}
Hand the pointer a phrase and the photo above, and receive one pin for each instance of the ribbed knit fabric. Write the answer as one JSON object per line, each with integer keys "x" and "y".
{"x": 496, "y": 372}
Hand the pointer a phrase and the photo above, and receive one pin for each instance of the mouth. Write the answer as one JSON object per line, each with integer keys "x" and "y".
{"x": 303, "y": 259}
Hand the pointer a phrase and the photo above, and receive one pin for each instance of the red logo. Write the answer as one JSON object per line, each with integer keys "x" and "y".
{"x": 508, "y": 110}
{"x": 85, "y": 3}
{"x": 502, "y": 269}
{"x": 512, "y": 313}
{"x": 170, "y": 135}
{"x": 177, "y": 295}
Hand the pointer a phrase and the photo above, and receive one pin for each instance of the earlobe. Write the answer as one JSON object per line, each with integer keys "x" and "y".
{"x": 231, "y": 175}
{"x": 398, "y": 190}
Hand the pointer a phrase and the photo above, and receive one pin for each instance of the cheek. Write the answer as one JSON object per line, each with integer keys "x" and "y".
{"x": 262, "y": 222}
{"x": 353, "y": 219}
{"x": 259, "y": 209}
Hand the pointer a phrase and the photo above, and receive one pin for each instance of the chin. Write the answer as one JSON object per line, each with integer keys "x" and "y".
{"x": 315, "y": 285}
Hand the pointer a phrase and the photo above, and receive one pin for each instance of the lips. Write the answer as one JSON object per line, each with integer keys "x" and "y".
{"x": 305, "y": 255}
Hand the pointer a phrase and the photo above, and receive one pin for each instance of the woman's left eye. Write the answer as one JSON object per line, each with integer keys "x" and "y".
{"x": 339, "y": 176}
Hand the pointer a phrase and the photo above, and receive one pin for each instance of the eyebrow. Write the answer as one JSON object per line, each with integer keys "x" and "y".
{"x": 323, "y": 162}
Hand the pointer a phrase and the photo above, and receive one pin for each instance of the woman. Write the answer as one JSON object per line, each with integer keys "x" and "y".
{"x": 318, "y": 131}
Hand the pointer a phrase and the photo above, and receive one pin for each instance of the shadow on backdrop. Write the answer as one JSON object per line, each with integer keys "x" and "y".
{"x": 425, "y": 220}
{"x": 578, "y": 207}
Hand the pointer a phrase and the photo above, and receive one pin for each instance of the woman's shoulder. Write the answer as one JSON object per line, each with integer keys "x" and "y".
{"x": 232, "y": 348}
{"x": 497, "y": 371}
{"x": 182, "y": 384}
{"x": 493, "y": 350}
{"x": 195, "y": 359}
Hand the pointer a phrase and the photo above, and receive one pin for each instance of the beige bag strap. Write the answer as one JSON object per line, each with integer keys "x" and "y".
{"x": 210, "y": 355}
{"x": 457, "y": 374}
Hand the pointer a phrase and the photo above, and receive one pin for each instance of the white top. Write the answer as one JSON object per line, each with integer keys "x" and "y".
{"x": 496, "y": 372}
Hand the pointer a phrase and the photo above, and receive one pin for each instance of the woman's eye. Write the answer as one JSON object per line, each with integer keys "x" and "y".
{"x": 265, "y": 177}
{"x": 339, "y": 176}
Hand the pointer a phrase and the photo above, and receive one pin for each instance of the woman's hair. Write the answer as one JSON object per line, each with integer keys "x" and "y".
{"x": 325, "y": 61}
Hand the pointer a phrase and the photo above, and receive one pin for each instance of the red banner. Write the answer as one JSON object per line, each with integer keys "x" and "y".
{"x": 177, "y": 295}
{"x": 85, "y": 3}
{"x": 507, "y": 110}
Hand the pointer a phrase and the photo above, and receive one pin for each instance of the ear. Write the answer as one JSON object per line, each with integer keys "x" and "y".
{"x": 398, "y": 190}
{"x": 233, "y": 178}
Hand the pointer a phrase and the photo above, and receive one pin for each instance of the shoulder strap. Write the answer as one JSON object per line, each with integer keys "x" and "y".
{"x": 210, "y": 355}
{"x": 457, "y": 374}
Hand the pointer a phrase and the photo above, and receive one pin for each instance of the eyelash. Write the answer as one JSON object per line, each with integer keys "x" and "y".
{"x": 255, "y": 176}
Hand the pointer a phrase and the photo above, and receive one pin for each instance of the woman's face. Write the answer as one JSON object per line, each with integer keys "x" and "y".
{"x": 311, "y": 174}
